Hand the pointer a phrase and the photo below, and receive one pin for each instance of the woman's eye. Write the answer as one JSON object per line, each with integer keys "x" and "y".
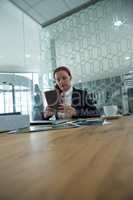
{"x": 63, "y": 78}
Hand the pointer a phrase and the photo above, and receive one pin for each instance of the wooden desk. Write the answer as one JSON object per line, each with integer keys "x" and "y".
{"x": 88, "y": 163}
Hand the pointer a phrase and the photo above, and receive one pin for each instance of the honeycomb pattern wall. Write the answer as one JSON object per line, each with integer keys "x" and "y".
{"x": 95, "y": 43}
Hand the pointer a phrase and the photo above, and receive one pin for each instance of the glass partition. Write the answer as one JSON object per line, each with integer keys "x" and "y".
{"x": 97, "y": 45}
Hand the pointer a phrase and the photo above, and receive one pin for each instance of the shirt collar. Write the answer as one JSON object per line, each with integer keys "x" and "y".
{"x": 68, "y": 92}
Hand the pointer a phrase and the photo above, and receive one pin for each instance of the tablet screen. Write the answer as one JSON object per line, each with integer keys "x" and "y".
{"x": 52, "y": 98}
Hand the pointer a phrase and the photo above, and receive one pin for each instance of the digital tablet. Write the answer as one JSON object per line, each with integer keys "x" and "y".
{"x": 52, "y": 98}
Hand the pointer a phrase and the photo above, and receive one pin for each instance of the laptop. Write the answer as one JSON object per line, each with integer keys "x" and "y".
{"x": 41, "y": 122}
{"x": 48, "y": 122}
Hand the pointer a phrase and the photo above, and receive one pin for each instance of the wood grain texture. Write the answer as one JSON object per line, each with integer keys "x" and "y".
{"x": 88, "y": 163}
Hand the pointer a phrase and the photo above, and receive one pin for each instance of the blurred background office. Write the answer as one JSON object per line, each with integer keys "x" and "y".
{"x": 94, "y": 38}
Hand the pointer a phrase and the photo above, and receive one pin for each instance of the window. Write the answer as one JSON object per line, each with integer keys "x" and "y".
{"x": 16, "y": 91}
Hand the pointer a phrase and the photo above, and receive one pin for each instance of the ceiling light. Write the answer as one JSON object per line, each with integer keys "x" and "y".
{"x": 118, "y": 23}
{"x": 127, "y": 57}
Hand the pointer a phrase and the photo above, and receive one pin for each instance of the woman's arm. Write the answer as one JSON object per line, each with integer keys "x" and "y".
{"x": 68, "y": 111}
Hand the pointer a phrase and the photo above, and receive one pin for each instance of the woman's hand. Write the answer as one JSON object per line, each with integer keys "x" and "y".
{"x": 68, "y": 110}
{"x": 49, "y": 112}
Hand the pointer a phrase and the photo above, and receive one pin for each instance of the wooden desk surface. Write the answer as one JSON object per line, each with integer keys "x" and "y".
{"x": 88, "y": 163}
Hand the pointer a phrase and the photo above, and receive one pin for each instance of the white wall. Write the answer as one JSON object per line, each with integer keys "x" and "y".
{"x": 19, "y": 40}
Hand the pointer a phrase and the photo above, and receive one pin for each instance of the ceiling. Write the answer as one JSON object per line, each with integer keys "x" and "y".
{"x": 46, "y": 12}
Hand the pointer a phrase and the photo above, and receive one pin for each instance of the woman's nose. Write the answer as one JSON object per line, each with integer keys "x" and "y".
{"x": 60, "y": 81}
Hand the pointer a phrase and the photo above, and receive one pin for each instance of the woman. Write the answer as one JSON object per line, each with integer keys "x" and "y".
{"x": 76, "y": 103}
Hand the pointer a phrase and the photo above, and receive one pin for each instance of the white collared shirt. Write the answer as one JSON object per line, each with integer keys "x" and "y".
{"x": 67, "y": 100}
{"x": 68, "y": 97}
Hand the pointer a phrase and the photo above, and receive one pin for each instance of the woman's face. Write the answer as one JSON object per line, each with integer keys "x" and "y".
{"x": 63, "y": 80}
